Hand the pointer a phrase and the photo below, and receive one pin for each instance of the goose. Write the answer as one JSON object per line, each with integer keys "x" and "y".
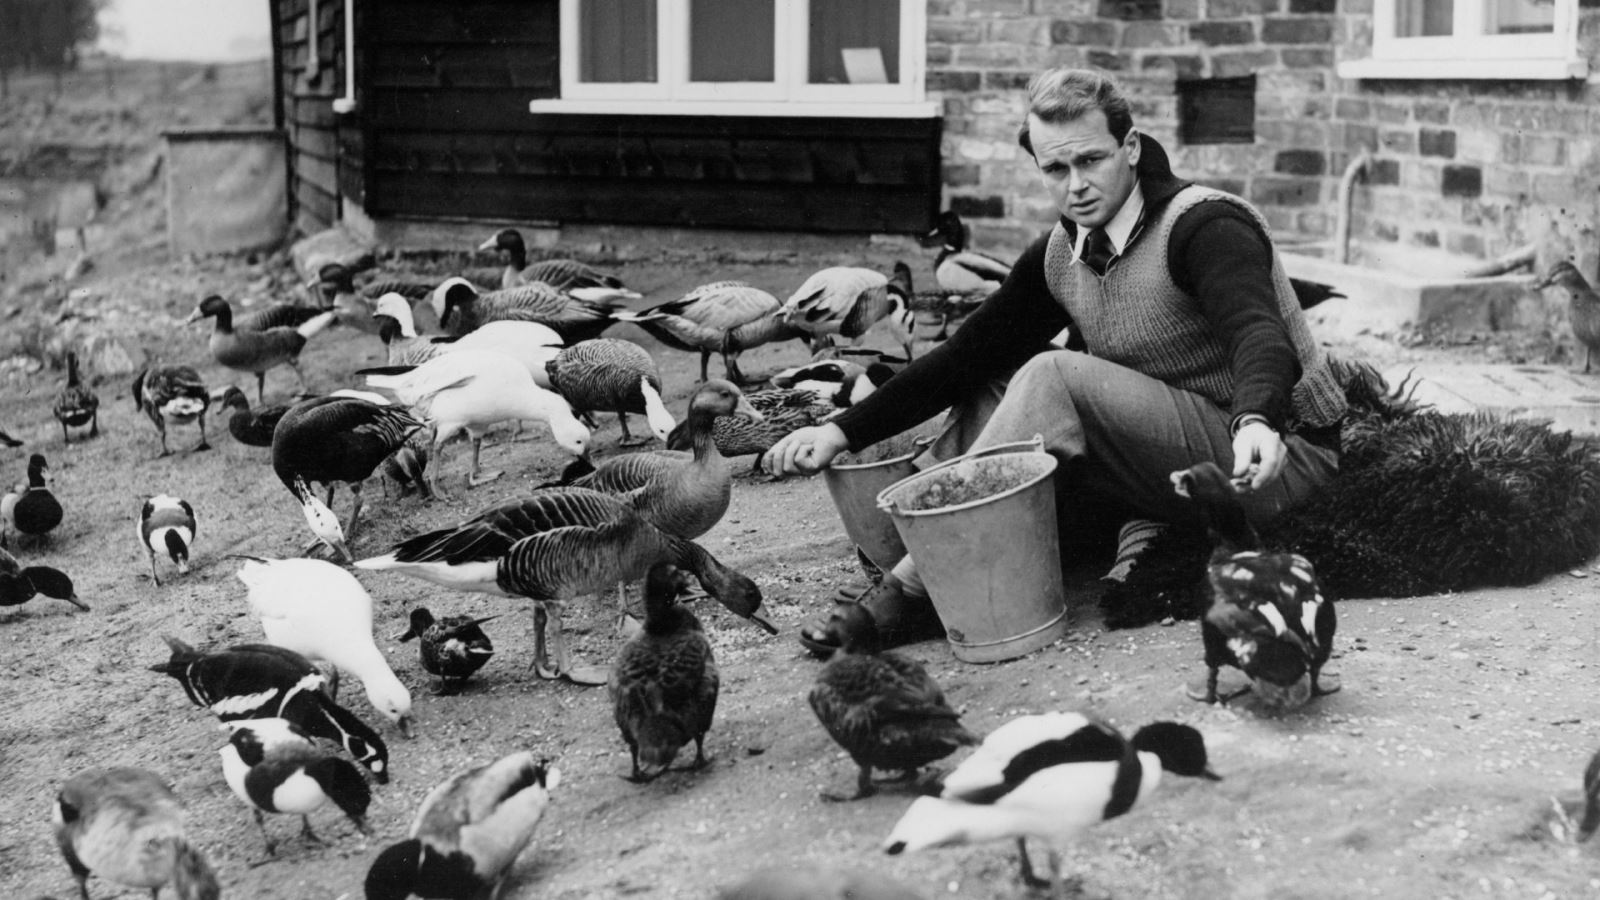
{"x": 7, "y": 440}
{"x": 273, "y": 767}
{"x": 530, "y": 343}
{"x": 1583, "y": 306}
{"x": 958, "y": 269}
{"x": 172, "y": 395}
{"x": 726, "y": 317}
{"x": 560, "y": 274}
{"x": 1267, "y": 615}
{"x": 31, "y": 509}
{"x": 18, "y": 585}
{"x": 125, "y": 825}
{"x": 468, "y": 833}
{"x": 76, "y": 405}
{"x": 336, "y": 440}
{"x": 259, "y": 681}
{"x": 682, "y": 494}
{"x": 335, "y": 287}
{"x": 277, "y": 315}
{"x": 321, "y": 611}
{"x": 556, "y": 544}
{"x": 847, "y": 301}
{"x": 256, "y": 351}
{"x": 608, "y": 375}
{"x": 576, "y": 314}
{"x": 1048, "y": 777}
{"x": 251, "y": 427}
{"x": 468, "y": 392}
{"x": 882, "y": 707}
{"x": 663, "y": 684}
{"x": 1591, "y": 800}
{"x": 167, "y": 526}
{"x": 452, "y": 648}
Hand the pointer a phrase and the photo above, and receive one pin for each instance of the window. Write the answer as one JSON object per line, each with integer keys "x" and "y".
{"x": 743, "y": 57}
{"x": 1472, "y": 39}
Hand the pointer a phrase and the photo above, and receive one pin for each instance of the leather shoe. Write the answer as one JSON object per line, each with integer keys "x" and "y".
{"x": 902, "y": 619}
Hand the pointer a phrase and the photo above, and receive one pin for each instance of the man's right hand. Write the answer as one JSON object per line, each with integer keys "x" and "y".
{"x": 806, "y": 451}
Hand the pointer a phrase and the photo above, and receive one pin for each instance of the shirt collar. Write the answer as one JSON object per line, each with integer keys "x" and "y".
{"x": 1123, "y": 226}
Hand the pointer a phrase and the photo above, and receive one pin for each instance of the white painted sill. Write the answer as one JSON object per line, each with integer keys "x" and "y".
{"x": 923, "y": 110}
{"x": 1527, "y": 69}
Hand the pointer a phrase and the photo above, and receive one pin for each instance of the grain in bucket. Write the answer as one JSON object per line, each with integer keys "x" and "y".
{"x": 982, "y": 531}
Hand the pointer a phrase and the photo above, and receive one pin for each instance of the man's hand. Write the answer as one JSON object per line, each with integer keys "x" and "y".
{"x": 805, "y": 450}
{"x": 1258, "y": 455}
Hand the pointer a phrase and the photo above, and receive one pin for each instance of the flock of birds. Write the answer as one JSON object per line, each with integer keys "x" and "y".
{"x": 532, "y": 349}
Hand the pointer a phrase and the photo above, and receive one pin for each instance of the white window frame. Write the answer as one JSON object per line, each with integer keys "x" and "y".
{"x": 788, "y": 95}
{"x": 1469, "y": 54}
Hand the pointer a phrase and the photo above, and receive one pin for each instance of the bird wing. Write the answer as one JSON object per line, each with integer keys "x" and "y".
{"x": 1022, "y": 746}
{"x": 825, "y": 298}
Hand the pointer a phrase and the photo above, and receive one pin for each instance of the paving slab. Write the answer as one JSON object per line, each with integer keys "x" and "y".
{"x": 1567, "y": 398}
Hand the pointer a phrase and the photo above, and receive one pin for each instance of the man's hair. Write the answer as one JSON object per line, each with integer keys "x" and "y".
{"x": 1064, "y": 94}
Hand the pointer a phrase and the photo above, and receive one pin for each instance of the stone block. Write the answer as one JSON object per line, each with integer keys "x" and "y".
{"x": 1108, "y": 60}
{"x": 1505, "y": 181}
{"x": 1019, "y": 31}
{"x": 960, "y": 174}
{"x": 964, "y": 81}
{"x": 1383, "y": 171}
{"x": 1006, "y": 81}
{"x": 1436, "y": 142}
{"x": 1313, "y": 7}
{"x": 1352, "y": 109}
{"x": 1464, "y": 243}
{"x": 989, "y": 207}
{"x": 1300, "y": 162}
{"x": 1070, "y": 9}
{"x": 1088, "y": 33}
{"x": 1216, "y": 34}
{"x": 1387, "y": 301}
{"x": 1544, "y": 150}
{"x": 1183, "y": 10}
{"x": 1478, "y": 146}
{"x": 954, "y": 31}
{"x": 1308, "y": 57}
{"x": 1130, "y": 10}
{"x": 1432, "y": 112}
{"x": 1235, "y": 9}
{"x": 1240, "y": 63}
{"x": 1466, "y": 181}
{"x": 1297, "y": 31}
{"x": 996, "y": 8}
{"x": 1568, "y": 400}
{"x": 1145, "y": 35}
{"x": 1274, "y": 191}
{"x": 1182, "y": 66}
{"x": 1398, "y": 140}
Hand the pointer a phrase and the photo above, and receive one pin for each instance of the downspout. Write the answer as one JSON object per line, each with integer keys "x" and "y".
{"x": 1347, "y": 181}
{"x": 347, "y": 103}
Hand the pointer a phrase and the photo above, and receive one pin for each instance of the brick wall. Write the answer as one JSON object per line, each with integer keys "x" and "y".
{"x": 1460, "y": 170}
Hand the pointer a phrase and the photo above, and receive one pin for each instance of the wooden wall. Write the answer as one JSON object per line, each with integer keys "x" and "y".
{"x": 307, "y": 91}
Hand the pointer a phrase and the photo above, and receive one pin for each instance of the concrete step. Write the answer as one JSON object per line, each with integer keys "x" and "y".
{"x": 1567, "y": 398}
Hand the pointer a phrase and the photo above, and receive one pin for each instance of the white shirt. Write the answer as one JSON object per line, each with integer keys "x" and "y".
{"x": 1121, "y": 227}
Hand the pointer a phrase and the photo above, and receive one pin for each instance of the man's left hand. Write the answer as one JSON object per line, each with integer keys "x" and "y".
{"x": 1258, "y": 455}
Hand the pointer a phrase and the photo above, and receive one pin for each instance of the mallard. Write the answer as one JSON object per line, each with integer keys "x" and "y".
{"x": 663, "y": 685}
{"x": 256, "y": 351}
{"x": 167, "y": 526}
{"x": 172, "y": 395}
{"x": 883, "y": 708}
{"x": 560, "y": 274}
{"x": 76, "y": 405}
{"x": 272, "y": 766}
{"x": 1583, "y": 306}
{"x": 468, "y": 833}
{"x": 726, "y": 317}
{"x": 609, "y": 375}
{"x": 452, "y": 648}
{"x": 530, "y": 343}
{"x": 31, "y": 509}
{"x": 847, "y": 301}
{"x": 1048, "y": 777}
{"x": 252, "y": 427}
{"x": 18, "y": 585}
{"x": 1267, "y": 616}
{"x": 958, "y": 269}
{"x": 577, "y": 314}
{"x": 125, "y": 825}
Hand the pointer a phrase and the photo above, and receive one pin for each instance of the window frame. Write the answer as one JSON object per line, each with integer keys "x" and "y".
{"x": 1467, "y": 55}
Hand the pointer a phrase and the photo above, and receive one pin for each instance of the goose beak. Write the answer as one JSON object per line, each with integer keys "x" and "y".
{"x": 407, "y": 635}
{"x": 487, "y": 245}
{"x": 760, "y": 618}
{"x": 79, "y": 603}
{"x": 748, "y": 411}
{"x": 1210, "y": 775}
{"x": 405, "y": 727}
{"x": 485, "y": 619}
{"x": 195, "y": 316}
{"x": 1541, "y": 284}
{"x": 342, "y": 550}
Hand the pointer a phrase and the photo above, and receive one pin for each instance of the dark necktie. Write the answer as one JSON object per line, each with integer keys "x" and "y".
{"x": 1097, "y": 251}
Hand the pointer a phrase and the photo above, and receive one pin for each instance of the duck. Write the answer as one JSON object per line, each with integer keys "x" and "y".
{"x": 335, "y": 288}
{"x": 31, "y": 509}
{"x": 663, "y": 684}
{"x": 172, "y": 395}
{"x": 957, "y": 268}
{"x": 881, "y": 706}
{"x": 336, "y": 440}
{"x": 321, "y": 611}
{"x": 126, "y": 826}
{"x": 20, "y": 584}
{"x": 467, "y": 393}
{"x": 453, "y": 648}
{"x": 261, "y": 681}
{"x": 576, "y": 314}
{"x": 1591, "y": 800}
{"x": 1583, "y": 306}
{"x": 272, "y": 767}
{"x": 1267, "y": 615}
{"x": 726, "y": 317}
{"x": 76, "y": 405}
{"x": 277, "y": 315}
{"x": 682, "y": 494}
{"x": 167, "y": 526}
{"x": 1048, "y": 777}
{"x": 530, "y": 343}
{"x": 555, "y": 544}
{"x": 847, "y": 301}
{"x": 816, "y": 881}
{"x": 251, "y": 427}
{"x": 558, "y": 273}
{"x": 7, "y": 440}
{"x": 256, "y": 351}
{"x": 468, "y": 833}
{"x": 407, "y": 467}
{"x": 609, "y": 375}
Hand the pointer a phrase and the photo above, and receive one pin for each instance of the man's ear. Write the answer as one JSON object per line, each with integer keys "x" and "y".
{"x": 1132, "y": 145}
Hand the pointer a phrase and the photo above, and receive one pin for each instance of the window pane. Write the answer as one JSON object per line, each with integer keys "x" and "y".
{"x": 855, "y": 42}
{"x": 1519, "y": 16}
{"x": 731, "y": 40}
{"x": 1424, "y": 18}
{"x": 617, "y": 41}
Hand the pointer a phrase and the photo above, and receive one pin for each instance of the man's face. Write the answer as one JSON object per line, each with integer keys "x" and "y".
{"x": 1088, "y": 173}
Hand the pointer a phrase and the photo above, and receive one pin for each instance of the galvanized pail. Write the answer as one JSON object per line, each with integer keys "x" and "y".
{"x": 854, "y": 488}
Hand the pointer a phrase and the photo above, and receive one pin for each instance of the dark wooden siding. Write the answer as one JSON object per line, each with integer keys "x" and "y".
{"x": 307, "y": 107}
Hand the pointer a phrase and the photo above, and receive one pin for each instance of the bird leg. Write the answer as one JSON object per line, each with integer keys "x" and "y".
{"x": 1028, "y": 877}
{"x": 628, "y": 440}
{"x": 355, "y": 511}
{"x": 307, "y": 833}
{"x": 204, "y": 443}
{"x": 153, "y": 576}
{"x": 299, "y": 375}
{"x": 1210, "y": 694}
{"x": 261, "y": 823}
{"x": 94, "y": 424}
{"x": 864, "y": 788}
{"x": 473, "y": 478}
{"x": 557, "y": 643}
{"x": 261, "y": 387}
{"x": 700, "y": 758}
{"x": 705, "y": 360}
{"x": 434, "y": 465}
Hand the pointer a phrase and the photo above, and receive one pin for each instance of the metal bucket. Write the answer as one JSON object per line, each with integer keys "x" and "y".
{"x": 854, "y": 488}
{"x": 982, "y": 530}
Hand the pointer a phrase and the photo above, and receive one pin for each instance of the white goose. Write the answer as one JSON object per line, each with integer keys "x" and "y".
{"x": 530, "y": 343}
{"x": 847, "y": 301}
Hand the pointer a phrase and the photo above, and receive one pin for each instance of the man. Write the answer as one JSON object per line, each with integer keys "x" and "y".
{"x": 1186, "y": 343}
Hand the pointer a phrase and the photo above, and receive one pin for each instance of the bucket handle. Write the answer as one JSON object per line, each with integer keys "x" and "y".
{"x": 1035, "y": 444}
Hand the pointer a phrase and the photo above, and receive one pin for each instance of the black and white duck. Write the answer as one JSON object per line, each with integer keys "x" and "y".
{"x": 1049, "y": 777}
{"x": 19, "y": 584}
{"x": 126, "y": 826}
{"x": 167, "y": 526}
{"x": 453, "y": 648}
{"x": 609, "y": 375}
{"x": 576, "y": 314}
{"x": 32, "y": 508}
{"x": 256, "y": 351}
{"x": 561, "y": 274}
{"x": 881, "y": 706}
{"x": 663, "y": 684}
{"x": 726, "y": 317}
{"x": 1267, "y": 616}
{"x": 251, "y": 427}
{"x": 172, "y": 395}
{"x": 847, "y": 301}
{"x": 530, "y": 343}
{"x": 273, "y": 767}
{"x": 958, "y": 268}
{"x": 468, "y": 833}
{"x": 261, "y": 681}
{"x": 76, "y": 405}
